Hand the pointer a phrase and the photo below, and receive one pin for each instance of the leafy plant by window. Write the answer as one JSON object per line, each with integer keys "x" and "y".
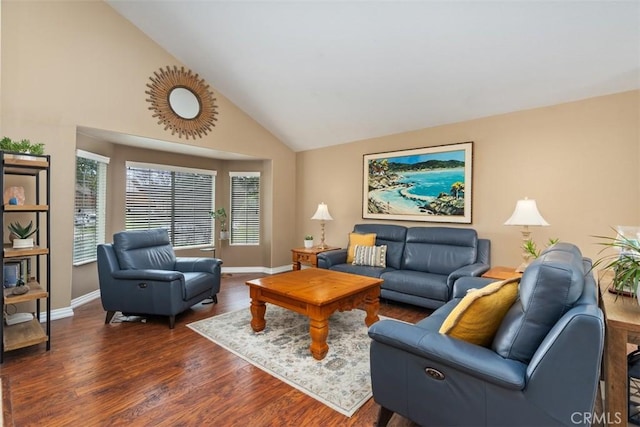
{"x": 220, "y": 215}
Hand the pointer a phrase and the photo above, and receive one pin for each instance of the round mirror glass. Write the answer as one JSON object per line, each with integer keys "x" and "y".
{"x": 184, "y": 103}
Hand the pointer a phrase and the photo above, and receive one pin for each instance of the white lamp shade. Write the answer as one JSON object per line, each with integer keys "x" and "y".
{"x": 526, "y": 213}
{"x": 322, "y": 213}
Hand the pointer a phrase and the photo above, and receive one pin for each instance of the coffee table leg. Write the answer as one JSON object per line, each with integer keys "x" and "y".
{"x": 258, "y": 309}
{"x": 371, "y": 306}
{"x": 319, "y": 330}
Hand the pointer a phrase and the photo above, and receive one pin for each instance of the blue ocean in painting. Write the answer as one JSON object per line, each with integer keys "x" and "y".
{"x": 432, "y": 183}
{"x": 426, "y": 185}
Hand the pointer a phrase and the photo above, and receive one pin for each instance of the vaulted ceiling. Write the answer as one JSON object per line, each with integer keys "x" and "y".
{"x": 320, "y": 73}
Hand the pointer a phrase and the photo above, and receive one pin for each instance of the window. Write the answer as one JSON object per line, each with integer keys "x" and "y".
{"x": 178, "y": 199}
{"x": 90, "y": 204}
{"x": 245, "y": 208}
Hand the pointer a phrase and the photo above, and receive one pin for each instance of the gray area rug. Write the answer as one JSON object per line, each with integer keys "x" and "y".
{"x": 341, "y": 380}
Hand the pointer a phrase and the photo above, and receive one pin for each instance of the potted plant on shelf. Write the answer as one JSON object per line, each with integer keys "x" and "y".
{"x": 221, "y": 215}
{"x": 308, "y": 241}
{"x": 22, "y": 235}
{"x": 23, "y": 146}
{"x": 624, "y": 262}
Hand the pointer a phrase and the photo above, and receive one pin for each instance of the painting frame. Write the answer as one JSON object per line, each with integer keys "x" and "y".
{"x": 419, "y": 184}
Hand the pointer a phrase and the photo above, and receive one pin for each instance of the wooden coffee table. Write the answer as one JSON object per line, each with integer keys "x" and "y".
{"x": 315, "y": 293}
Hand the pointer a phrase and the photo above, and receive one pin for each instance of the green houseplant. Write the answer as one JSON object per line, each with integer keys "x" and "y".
{"x": 624, "y": 261}
{"x": 531, "y": 248}
{"x": 22, "y": 234}
{"x": 22, "y": 146}
{"x": 221, "y": 216}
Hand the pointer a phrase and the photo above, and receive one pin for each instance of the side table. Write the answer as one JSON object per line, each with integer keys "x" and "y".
{"x": 308, "y": 256}
{"x": 501, "y": 273}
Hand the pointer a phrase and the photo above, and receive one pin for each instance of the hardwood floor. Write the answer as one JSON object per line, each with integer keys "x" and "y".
{"x": 145, "y": 374}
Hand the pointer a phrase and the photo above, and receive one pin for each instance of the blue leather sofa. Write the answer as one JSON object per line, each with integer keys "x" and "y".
{"x": 422, "y": 264}
{"x": 542, "y": 368}
{"x": 140, "y": 274}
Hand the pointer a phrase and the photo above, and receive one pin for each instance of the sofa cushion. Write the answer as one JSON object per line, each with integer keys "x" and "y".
{"x": 362, "y": 270}
{"x": 387, "y": 234}
{"x": 439, "y": 250}
{"x": 549, "y": 287}
{"x": 368, "y": 239}
{"x": 479, "y": 314}
{"x": 374, "y": 256}
{"x": 425, "y": 285}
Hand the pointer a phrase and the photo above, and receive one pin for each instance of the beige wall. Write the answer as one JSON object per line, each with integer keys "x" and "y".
{"x": 71, "y": 64}
{"x": 578, "y": 160}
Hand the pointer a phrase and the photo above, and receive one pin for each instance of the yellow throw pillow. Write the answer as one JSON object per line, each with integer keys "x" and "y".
{"x": 478, "y": 315}
{"x": 359, "y": 239}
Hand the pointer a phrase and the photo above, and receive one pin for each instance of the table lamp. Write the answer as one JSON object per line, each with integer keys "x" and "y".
{"x": 322, "y": 215}
{"x": 526, "y": 214}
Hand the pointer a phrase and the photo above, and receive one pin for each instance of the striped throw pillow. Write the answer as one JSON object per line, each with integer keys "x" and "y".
{"x": 374, "y": 256}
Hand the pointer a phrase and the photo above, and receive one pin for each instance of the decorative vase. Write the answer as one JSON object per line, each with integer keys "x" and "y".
{"x": 224, "y": 235}
{"x": 23, "y": 243}
{"x": 308, "y": 244}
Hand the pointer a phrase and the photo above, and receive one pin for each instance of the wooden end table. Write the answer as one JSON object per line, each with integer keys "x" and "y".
{"x": 307, "y": 256}
{"x": 315, "y": 293}
{"x": 622, "y": 328}
{"x": 501, "y": 273}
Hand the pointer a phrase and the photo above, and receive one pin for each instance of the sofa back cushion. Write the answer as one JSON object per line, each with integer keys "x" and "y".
{"x": 393, "y": 236}
{"x": 439, "y": 250}
{"x": 144, "y": 250}
{"x": 550, "y": 286}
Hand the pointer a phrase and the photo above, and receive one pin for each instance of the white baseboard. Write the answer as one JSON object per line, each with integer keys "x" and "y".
{"x": 265, "y": 270}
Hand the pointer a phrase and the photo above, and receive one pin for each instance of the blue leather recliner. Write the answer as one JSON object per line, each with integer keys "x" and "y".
{"x": 542, "y": 368}
{"x": 139, "y": 273}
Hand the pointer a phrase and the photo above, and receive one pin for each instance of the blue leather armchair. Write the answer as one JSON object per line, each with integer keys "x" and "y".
{"x": 140, "y": 274}
{"x": 542, "y": 368}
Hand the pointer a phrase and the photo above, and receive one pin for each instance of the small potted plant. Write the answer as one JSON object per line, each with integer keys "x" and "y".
{"x": 308, "y": 241}
{"x": 22, "y": 235}
{"x": 221, "y": 215}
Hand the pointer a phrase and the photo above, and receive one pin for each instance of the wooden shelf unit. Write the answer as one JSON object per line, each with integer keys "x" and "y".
{"x": 37, "y": 330}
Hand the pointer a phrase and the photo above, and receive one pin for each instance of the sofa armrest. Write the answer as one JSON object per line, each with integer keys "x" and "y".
{"x": 463, "y": 284}
{"x": 330, "y": 258}
{"x": 195, "y": 264}
{"x": 471, "y": 359}
{"x": 472, "y": 270}
{"x": 157, "y": 275}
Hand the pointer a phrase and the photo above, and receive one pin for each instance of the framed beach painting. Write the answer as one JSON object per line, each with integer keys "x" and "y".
{"x": 423, "y": 184}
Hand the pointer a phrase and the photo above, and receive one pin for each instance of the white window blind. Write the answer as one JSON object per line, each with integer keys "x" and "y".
{"x": 90, "y": 206}
{"x": 245, "y": 208}
{"x": 177, "y": 199}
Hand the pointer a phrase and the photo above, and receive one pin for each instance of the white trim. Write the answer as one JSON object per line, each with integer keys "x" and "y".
{"x": 170, "y": 168}
{"x": 257, "y": 269}
{"x": 92, "y": 156}
{"x": 244, "y": 174}
{"x": 58, "y": 313}
{"x": 81, "y": 300}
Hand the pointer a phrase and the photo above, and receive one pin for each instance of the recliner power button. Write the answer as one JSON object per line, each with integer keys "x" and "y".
{"x": 434, "y": 373}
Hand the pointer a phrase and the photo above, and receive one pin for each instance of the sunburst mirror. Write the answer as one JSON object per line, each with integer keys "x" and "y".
{"x": 182, "y": 102}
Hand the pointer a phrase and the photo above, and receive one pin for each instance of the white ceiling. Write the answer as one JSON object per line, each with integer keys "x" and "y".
{"x": 320, "y": 73}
